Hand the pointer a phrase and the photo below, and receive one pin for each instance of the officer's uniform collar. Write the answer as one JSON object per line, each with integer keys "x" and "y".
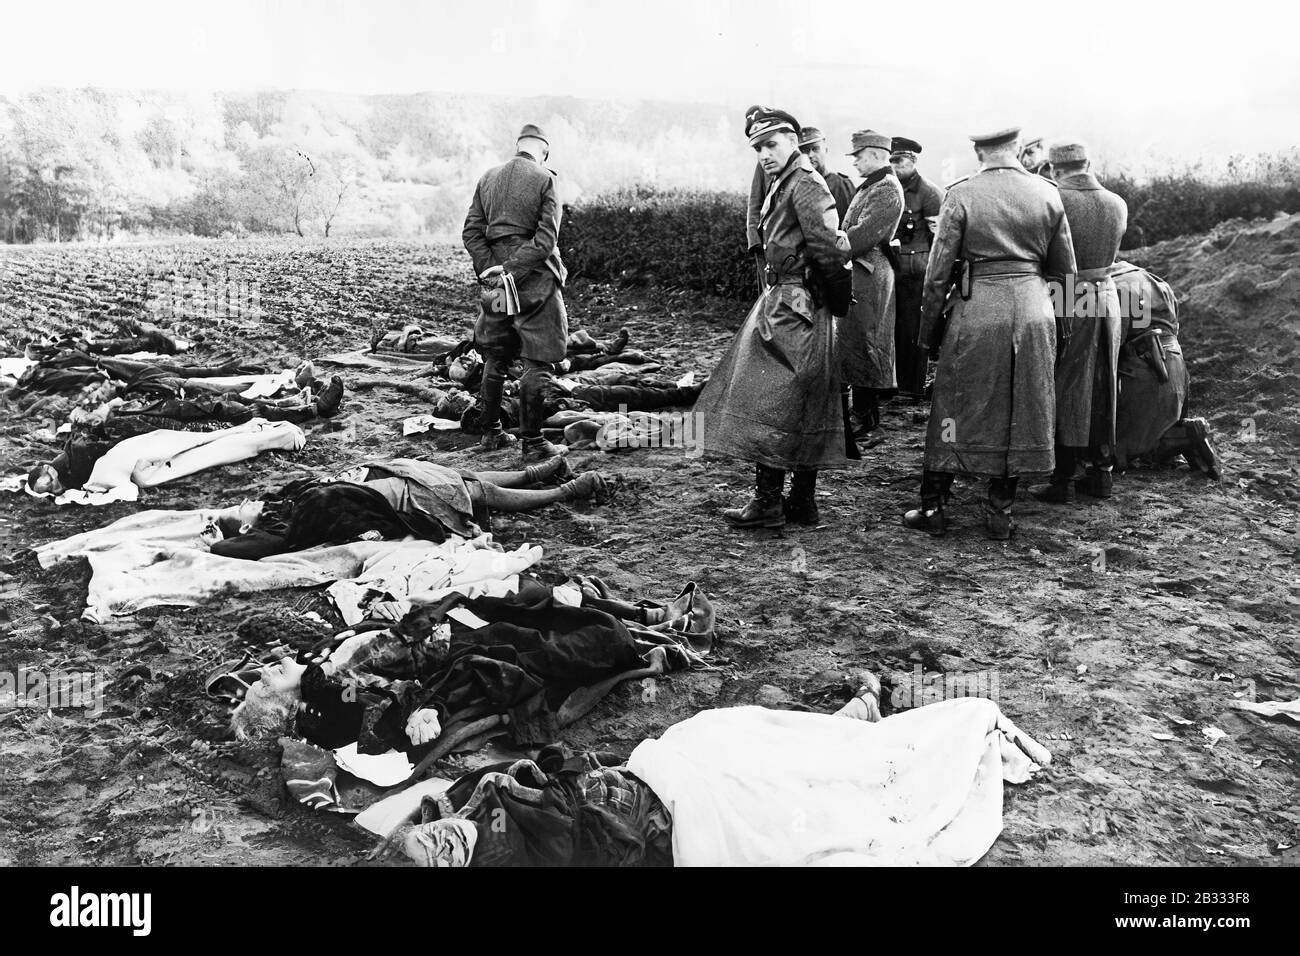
{"x": 1011, "y": 163}
{"x": 1084, "y": 180}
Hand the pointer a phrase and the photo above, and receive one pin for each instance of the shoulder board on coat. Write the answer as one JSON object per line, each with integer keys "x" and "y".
{"x": 958, "y": 182}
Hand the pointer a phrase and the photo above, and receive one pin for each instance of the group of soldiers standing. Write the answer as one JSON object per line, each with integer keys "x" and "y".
{"x": 1009, "y": 282}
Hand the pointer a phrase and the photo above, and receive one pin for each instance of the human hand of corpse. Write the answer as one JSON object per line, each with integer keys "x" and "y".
{"x": 423, "y": 727}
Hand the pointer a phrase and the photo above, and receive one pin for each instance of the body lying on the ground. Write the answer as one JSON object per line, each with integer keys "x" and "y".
{"x": 392, "y": 498}
{"x": 736, "y": 786}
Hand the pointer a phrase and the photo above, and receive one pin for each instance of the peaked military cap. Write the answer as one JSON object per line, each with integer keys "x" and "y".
{"x": 869, "y": 138}
{"x": 809, "y": 135}
{"x": 996, "y": 138}
{"x": 1067, "y": 153}
{"x": 762, "y": 120}
{"x": 905, "y": 146}
{"x": 533, "y": 132}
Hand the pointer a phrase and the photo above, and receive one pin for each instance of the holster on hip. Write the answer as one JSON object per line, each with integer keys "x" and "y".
{"x": 1151, "y": 350}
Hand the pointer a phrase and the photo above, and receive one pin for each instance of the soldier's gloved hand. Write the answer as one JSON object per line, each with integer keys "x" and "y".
{"x": 492, "y": 277}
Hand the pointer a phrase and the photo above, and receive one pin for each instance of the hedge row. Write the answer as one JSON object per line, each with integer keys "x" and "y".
{"x": 695, "y": 240}
{"x": 1170, "y": 206}
{"x": 691, "y": 240}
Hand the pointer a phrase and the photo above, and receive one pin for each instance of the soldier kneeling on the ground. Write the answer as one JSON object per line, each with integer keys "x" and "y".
{"x": 1153, "y": 379}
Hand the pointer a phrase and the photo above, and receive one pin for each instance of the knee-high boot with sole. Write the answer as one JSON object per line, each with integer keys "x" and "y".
{"x": 765, "y": 509}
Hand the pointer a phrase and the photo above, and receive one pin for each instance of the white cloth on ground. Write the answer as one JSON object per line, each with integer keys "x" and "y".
{"x": 248, "y": 386}
{"x": 162, "y": 558}
{"x": 472, "y": 567}
{"x": 1269, "y": 708}
{"x": 157, "y": 457}
{"x": 15, "y": 367}
{"x": 388, "y": 814}
{"x": 158, "y": 528}
{"x": 751, "y": 786}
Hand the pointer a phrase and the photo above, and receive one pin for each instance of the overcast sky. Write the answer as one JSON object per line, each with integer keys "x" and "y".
{"x": 1148, "y": 75}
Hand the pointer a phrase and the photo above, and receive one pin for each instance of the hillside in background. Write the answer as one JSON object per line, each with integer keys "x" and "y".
{"x": 87, "y": 164}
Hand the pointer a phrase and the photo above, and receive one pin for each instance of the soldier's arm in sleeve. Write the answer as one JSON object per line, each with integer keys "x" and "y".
{"x": 474, "y": 235}
{"x": 944, "y": 252}
{"x": 877, "y": 219}
{"x": 754, "y": 211}
{"x": 532, "y": 254}
{"x": 1060, "y": 251}
{"x": 931, "y": 203}
{"x": 819, "y": 220}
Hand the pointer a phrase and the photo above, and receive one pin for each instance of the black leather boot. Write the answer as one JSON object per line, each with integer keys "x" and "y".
{"x": 1058, "y": 491}
{"x": 934, "y": 492}
{"x": 1097, "y": 482}
{"x": 1201, "y": 453}
{"x": 801, "y": 506}
{"x": 928, "y": 519}
{"x": 997, "y": 509}
{"x": 766, "y": 508}
{"x": 998, "y": 523}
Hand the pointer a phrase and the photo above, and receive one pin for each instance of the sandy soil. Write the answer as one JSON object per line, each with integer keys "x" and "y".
{"x": 1106, "y": 624}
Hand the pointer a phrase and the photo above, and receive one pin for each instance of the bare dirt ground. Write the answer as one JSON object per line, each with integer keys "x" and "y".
{"x": 1106, "y": 623}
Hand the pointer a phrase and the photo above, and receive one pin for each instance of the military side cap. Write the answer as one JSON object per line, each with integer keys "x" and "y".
{"x": 533, "y": 132}
{"x": 868, "y": 138}
{"x": 996, "y": 138}
{"x": 1067, "y": 153}
{"x": 903, "y": 145}
{"x": 809, "y": 135}
{"x": 762, "y": 120}
{"x": 1031, "y": 143}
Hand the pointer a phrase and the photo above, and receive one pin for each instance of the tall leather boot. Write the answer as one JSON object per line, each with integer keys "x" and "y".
{"x": 765, "y": 509}
{"x": 1190, "y": 437}
{"x": 1058, "y": 491}
{"x": 997, "y": 509}
{"x": 801, "y": 505}
{"x": 532, "y": 414}
{"x": 486, "y": 415}
{"x": 866, "y": 411}
{"x": 934, "y": 492}
{"x": 1097, "y": 482}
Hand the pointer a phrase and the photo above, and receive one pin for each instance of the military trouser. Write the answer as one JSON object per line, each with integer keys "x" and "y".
{"x": 910, "y": 360}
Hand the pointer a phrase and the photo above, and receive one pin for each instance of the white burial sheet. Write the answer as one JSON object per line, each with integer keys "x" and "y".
{"x": 748, "y": 786}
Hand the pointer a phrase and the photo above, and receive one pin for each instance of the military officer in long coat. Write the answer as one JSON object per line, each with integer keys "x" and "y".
{"x": 865, "y": 337}
{"x": 774, "y": 398}
{"x": 921, "y": 201}
{"x": 994, "y": 401}
{"x": 1088, "y": 330}
{"x": 511, "y": 232}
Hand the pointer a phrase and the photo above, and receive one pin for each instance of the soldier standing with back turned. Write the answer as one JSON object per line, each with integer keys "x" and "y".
{"x": 1089, "y": 331}
{"x": 511, "y": 233}
{"x": 994, "y": 401}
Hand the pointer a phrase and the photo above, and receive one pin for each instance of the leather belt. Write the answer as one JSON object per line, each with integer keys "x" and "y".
{"x": 790, "y": 278}
{"x": 1093, "y": 275}
{"x": 1005, "y": 267}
